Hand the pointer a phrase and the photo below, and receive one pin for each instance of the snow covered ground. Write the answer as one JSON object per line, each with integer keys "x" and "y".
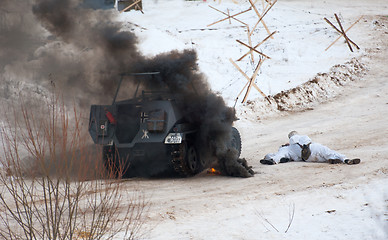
{"x": 297, "y": 50}
{"x": 343, "y": 107}
{"x": 330, "y": 202}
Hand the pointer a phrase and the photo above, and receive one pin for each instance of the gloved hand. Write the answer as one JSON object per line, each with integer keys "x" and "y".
{"x": 306, "y": 152}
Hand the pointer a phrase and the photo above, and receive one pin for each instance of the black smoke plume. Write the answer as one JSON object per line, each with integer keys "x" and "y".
{"x": 82, "y": 51}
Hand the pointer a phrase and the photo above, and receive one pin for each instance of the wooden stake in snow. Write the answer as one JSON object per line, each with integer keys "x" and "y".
{"x": 256, "y": 46}
{"x": 345, "y": 32}
{"x": 229, "y": 16}
{"x": 342, "y": 32}
{"x": 253, "y": 49}
{"x": 250, "y": 44}
{"x": 251, "y": 81}
{"x": 266, "y": 10}
{"x": 136, "y": 4}
{"x": 258, "y": 14}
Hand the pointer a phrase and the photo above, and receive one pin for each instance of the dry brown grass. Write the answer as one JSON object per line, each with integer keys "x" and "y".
{"x": 52, "y": 184}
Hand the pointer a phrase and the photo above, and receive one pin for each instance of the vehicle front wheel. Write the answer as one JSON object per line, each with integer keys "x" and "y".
{"x": 236, "y": 141}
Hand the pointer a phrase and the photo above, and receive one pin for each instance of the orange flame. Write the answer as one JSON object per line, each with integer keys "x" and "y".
{"x": 213, "y": 171}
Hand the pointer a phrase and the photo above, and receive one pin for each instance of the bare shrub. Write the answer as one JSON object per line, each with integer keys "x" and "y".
{"x": 52, "y": 182}
{"x": 266, "y": 223}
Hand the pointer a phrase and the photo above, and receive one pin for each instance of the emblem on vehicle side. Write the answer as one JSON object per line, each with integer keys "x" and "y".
{"x": 143, "y": 117}
{"x": 145, "y": 134}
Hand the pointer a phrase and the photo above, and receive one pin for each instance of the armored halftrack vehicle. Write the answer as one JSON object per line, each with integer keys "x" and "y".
{"x": 147, "y": 135}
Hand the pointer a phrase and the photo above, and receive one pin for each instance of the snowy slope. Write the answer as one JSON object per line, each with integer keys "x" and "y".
{"x": 346, "y": 110}
{"x": 331, "y": 202}
{"x": 297, "y": 50}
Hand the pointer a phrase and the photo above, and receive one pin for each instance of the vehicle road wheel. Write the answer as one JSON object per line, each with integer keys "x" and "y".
{"x": 186, "y": 160}
{"x": 192, "y": 159}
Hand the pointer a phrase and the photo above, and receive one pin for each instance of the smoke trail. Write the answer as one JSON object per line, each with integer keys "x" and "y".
{"x": 17, "y": 32}
{"x": 100, "y": 50}
{"x": 84, "y": 51}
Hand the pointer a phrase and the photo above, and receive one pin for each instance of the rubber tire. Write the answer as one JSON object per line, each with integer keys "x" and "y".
{"x": 236, "y": 141}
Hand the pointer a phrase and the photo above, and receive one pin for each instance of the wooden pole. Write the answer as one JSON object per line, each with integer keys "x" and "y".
{"x": 139, "y": 8}
{"x": 246, "y": 54}
{"x": 218, "y": 10}
{"x": 258, "y": 14}
{"x": 246, "y": 76}
{"x": 253, "y": 49}
{"x": 231, "y": 17}
{"x": 242, "y": 90}
{"x": 262, "y": 16}
{"x": 339, "y": 31}
{"x": 250, "y": 44}
{"x": 253, "y": 79}
{"x": 345, "y": 32}
{"x": 239, "y": 69}
{"x": 133, "y": 4}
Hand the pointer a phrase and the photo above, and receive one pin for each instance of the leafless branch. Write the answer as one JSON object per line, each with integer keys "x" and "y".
{"x": 266, "y": 220}
{"x": 291, "y": 214}
{"x": 52, "y": 187}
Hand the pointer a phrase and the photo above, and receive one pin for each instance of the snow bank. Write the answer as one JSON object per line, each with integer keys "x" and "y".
{"x": 317, "y": 90}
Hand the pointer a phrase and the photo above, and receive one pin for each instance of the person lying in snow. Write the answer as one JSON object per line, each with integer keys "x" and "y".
{"x": 301, "y": 148}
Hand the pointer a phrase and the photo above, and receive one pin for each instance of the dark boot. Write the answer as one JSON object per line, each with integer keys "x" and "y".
{"x": 334, "y": 161}
{"x": 284, "y": 160}
{"x": 352, "y": 161}
{"x": 267, "y": 162}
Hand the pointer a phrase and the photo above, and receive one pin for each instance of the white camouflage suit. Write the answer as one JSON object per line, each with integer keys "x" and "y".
{"x": 319, "y": 153}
